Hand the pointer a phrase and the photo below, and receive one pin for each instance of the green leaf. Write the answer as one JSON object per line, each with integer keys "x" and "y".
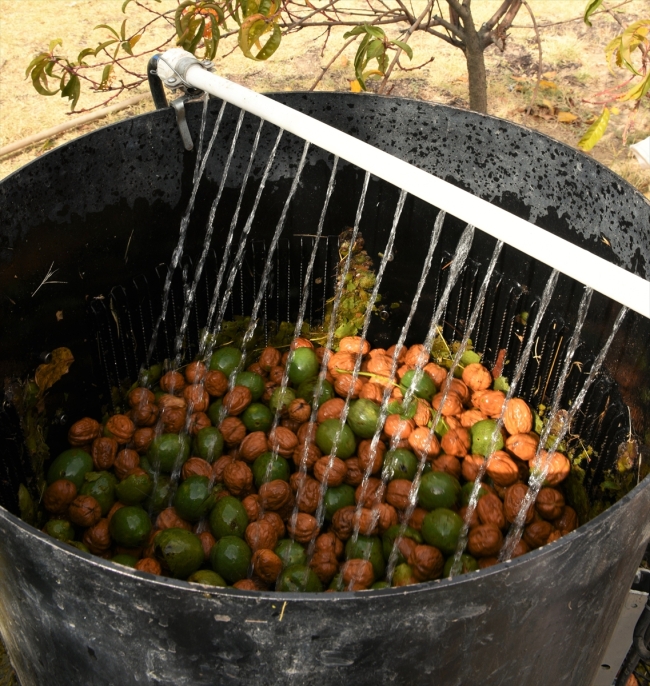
{"x": 123, "y": 30}
{"x": 72, "y": 90}
{"x": 127, "y": 48}
{"x": 272, "y": 44}
{"x": 356, "y": 31}
{"x": 405, "y": 46}
{"x": 39, "y": 81}
{"x": 35, "y": 61}
{"x": 374, "y": 31}
{"x": 110, "y": 28}
{"x": 595, "y": 132}
{"x": 106, "y": 75}
{"x": 103, "y": 46}
{"x": 591, "y": 7}
{"x": 84, "y": 53}
{"x": 54, "y": 43}
{"x": 124, "y": 4}
{"x": 375, "y": 48}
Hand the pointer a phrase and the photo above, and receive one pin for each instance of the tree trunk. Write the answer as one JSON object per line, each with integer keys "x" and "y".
{"x": 478, "y": 100}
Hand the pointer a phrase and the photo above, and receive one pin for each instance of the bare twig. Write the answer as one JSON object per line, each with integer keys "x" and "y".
{"x": 331, "y": 62}
{"x": 539, "y": 62}
{"x": 419, "y": 66}
{"x": 414, "y": 27}
{"x": 569, "y": 21}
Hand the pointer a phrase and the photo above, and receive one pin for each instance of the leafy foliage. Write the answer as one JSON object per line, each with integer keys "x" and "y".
{"x": 630, "y": 50}
{"x": 113, "y": 64}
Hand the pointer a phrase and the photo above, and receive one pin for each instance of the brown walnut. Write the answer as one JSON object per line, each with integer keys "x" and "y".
{"x": 216, "y": 383}
{"x": 371, "y": 493}
{"x": 453, "y": 404}
{"x": 198, "y": 421}
{"x": 471, "y": 417}
{"x": 104, "y": 452}
{"x": 567, "y": 521}
{"x": 355, "y": 345}
{"x": 456, "y": 442}
{"x": 261, "y": 534}
{"x": 447, "y": 463}
{"x": 325, "y": 565}
{"x": 142, "y": 439}
{"x": 195, "y": 372}
{"x": 283, "y": 441}
{"x": 58, "y": 496}
{"x": 266, "y": 565}
{"x": 367, "y": 457}
{"x": 477, "y": 377}
{"x": 550, "y": 503}
{"x": 398, "y": 427}
{"x": 237, "y": 400}
{"x": 253, "y": 446}
{"x": 423, "y": 442}
{"x": 308, "y": 495}
{"x": 233, "y": 430}
{"x": 330, "y": 409}
{"x": 372, "y": 391}
{"x": 196, "y": 397}
{"x": 426, "y": 562}
{"x": 84, "y": 431}
{"x": 172, "y": 382}
{"x": 518, "y": 417}
{"x": 270, "y": 357}
{"x": 523, "y": 446}
{"x": 145, "y": 415}
{"x": 196, "y": 466}
{"x": 276, "y": 374}
{"x": 275, "y": 495}
{"x": 238, "y": 478}
{"x": 173, "y": 419}
{"x": 150, "y": 565}
{"x": 98, "y": 538}
{"x": 275, "y": 519}
{"x": 120, "y": 427}
{"x": 308, "y": 454}
{"x": 251, "y": 504}
{"x": 302, "y": 527}
{"x": 512, "y": 502}
{"x": 84, "y": 510}
{"x": 490, "y": 511}
{"x": 125, "y": 461}
{"x": 170, "y": 519}
{"x": 470, "y": 467}
{"x": 354, "y": 473}
{"x": 345, "y": 385}
{"x": 436, "y": 373}
{"x": 491, "y": 403}
{"x": 357, "y": 575}
{"x": 536, "y": 533}
{"x": 141, "y": 396}
{"x": 502, "y": 469}
{"x": 485, "y": 540}
{"x": 520, "y": 549}
{"x": 398, "y": 492}
{"x": 330, "y": 470}
{"x": 343, "y": 522}
{"x": 299, "y": 410}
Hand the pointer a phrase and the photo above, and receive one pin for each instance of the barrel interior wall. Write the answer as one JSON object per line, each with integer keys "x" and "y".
{"x": 104, "y": 254}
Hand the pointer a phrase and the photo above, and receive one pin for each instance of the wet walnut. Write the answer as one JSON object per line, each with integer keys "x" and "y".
{"x": 170, "y": 519}
{"x": 142, "y": 439}
{"x": 253, "y": 446}
{"x": 84, "y": 510}
{"x": 550, "y": 503}
{"x": 283, "y": 441}
{"x": 426, "y": 562}
{"x": 145, "y": 415}
{"x": 58, "y": 496}
{"x": 290, "y": 424}
{"x": 523, "y": 446}
{"x": 398, "y": 427}
{"x": 97, "y": 538}
{"x": 490, "y": 511}
{"x": 330, "y": 409}
{"x": 355, "y": 345}
{"x": 386, "y": 516}
{"x": 477, "y": 377}
{"x": 371, "y": 493}
{"x": 484, "y": 540}
{"x": 436, "y": 373}
{"x": 103, "y": 451}
{"x": 251, "y": 504}
{"x": 471, "y": 466}
{"x": 84, "y": 431}
{"x": 198, "y": 421}
{"x": 125, "y": 461}
{"x": 256, "y": 369}
{"x": 275, "y": 519}
{"x": 456, "y": 442}
{"x": 173, "y": 419}
{"x": 447, "y": 463}
{"x": 471, "y": 417}
{"x": 233, "y": 430}
{"x": 369, "y": 458}
{"x": 368, "y": 521}
{"x": 372, "y": 391}
{"x": 424, "y": 442}
{"x": 491, "y": 403}
{"x": 269, "y": 358}
{"x": 502, "y": 469}
{"x": 238, "y": 478}
{"x": 307, "y": 432}
{"x": 237, "y": 400}
{"x": 536, "y": 533}
{"x": 398, "y": 492}
{"x": 207, "y": 541}
{"x": 520, "y": 549}
{"x": 141, "y": 396}
{"x": 216, "y": 383}
{"x": 557, "y": 467}
{"x": 306, "y": 454}
{"x": 276, "y": 374}
{"x": 195, "y": 372}
{"x": 381, "y": 366}
{"x": 331, "y": 543}
{"x": 325, "y": 565}
{"x": 261, "y": 534}
{"x": 417, "y": 518}
{"x": 341, "y": 361}
{"x": 196, "y": 466}
{"x": 354, "y": 473}
{"x": 275, "y": 495}
{"x": 343, "y": 522}
{"x": 299, "y": 410}
{"x": 512, "y": 502}
{"x": 266, "y": 565}
{"x": 302, "y": 527}
{"x": 116, "y": 506}
{"x": 150, "y": 565}
{"x": 567, "y": 521}
{"x": 518, "y": 417}
{"x": 120, "y": 427}
{"x": 473, "y": 519}
{"x": 218, "y": 467}
{"x": 357, "y": 575}
{"x": 308, "y": 495}
{"x": 330, "y": 470}
{"x": 453, "y": 404}
{"x": 196, "y": 397}
{"x": 345, "y": 386}
{"x": 392, "y": 353}
{"x": 172, "y": 382}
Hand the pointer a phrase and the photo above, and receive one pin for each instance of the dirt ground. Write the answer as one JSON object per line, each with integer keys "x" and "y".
{"x": 573, "y": 63}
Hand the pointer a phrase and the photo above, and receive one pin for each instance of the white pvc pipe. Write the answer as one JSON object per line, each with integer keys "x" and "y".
{"x": 589, "y": 269}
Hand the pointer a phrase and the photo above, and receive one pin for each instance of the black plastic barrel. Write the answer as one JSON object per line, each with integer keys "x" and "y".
{"x": 105, "y": 209}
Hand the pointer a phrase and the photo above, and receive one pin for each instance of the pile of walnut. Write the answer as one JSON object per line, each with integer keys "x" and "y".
{"x": 122, "y": 443}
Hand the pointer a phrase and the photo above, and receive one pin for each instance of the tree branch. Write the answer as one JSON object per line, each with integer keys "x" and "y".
{"x": 409, "y": 33}
{"x": 498, "y": 35}
{"x": 456, "y": 30}
{"x": 331, "y": 62}
{"x": 460, "y": 10}
{"x": 448, "y": 39}
{"x": 496, "y": 17}
{"x": 539, "y": 63}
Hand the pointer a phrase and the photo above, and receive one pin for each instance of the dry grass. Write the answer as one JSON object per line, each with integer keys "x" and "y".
{"x": 571, "y": 50}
